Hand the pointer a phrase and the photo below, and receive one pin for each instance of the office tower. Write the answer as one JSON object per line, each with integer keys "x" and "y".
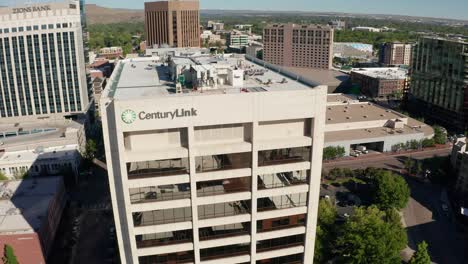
{"x": 395, "y": 53}
{"x": 439, "y": 81}
{"x": 304, "y": 46}
{"x": 42, "y": 64}
{"x": 222, "y": 166}
{"x": 174, "y": 23}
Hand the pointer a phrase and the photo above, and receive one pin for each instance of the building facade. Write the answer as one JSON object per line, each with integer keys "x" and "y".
{"x": 439, "y": 81}
{"x": 236, "y": 39}
{"x": 31, "y": 211}
{"x": 230, "y": 176}
{"x": 42, "y": 62}
{"x": 395, "y": 54}
{"x": 174, "y": 23}
{"x": 459, "y": 160}
{"x": 305, "y": 46}
{"x": 381, "y": 82}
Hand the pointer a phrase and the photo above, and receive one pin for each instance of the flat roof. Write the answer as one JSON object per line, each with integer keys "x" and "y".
{"x": 24, "y": 204}
{"x": 383, "y": 73}
{"x": 360, "y": 112}
{"x": 53, "y": 153}
{"x": 323, "y": 77}
{"x": 145, "y": 78}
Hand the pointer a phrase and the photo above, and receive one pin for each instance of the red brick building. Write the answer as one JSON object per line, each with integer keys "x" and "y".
{"x": 381, "y": 82}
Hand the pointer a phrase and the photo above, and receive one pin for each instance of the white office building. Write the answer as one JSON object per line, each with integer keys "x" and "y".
{"x": 42, "y": 62}
{"x": 221, "y": 166}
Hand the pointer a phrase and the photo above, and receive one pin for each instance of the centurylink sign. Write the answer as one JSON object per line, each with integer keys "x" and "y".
{"x": 130, "y": 116}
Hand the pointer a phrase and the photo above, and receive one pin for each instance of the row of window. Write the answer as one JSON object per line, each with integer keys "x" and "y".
{"x": 35, "y": 28}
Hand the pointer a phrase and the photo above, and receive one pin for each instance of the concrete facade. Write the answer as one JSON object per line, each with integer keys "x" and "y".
{"x": 227, "y": 145}
{"x": 396, "y": 54}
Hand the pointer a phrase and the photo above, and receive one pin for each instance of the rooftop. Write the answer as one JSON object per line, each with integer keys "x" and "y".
{"x": 361, "y": 112}
{"x": 384, "y": 73}
{"x": 24, "y": 204}
{"x": 149, "y": 78}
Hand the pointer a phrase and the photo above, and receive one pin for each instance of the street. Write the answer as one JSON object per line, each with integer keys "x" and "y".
{"x": 424, "y": 218}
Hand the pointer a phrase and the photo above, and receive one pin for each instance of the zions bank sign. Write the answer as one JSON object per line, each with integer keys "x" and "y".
{"x": 31, "y": 9}
{"x": 130, "y": 116}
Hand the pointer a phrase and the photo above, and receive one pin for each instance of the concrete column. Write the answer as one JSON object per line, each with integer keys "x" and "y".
{"x": 193, "y": 194}
{"x": 253, "y": 224}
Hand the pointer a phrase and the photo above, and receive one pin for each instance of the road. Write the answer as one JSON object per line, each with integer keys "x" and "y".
{"x": 384, "y": 160}
{"x": 423, "y": 217}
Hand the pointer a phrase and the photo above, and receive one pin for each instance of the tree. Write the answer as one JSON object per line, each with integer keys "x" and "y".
{"x": 409, "y": 164}
{"x": 331, "y": 152}
{"x": 9, "y": 255}
{"x": 422, "y": 255}
{"x": 368, "y": 238}
{"x": 3, "y": 177}
{"x": 90, "y": 150}
{"x": 440, "y": 135}
{"x": 390, "y": 190}
{"x": 325, "y": 232}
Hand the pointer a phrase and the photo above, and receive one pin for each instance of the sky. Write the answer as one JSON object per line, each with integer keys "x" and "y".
{"x": 456, "y": 9}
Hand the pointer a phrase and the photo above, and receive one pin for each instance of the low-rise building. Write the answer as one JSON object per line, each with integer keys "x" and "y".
{"x": 367, "y": 29}
{"x": 352, "y": 50}
{"x": 381, "y": 82}
{"x": 337, "y": 24}
{"x": 41, "y": 148}
{"x": 30, "y": 213}
{"x": 237, "y": 39}
{"x": 395, "y": 53}
{"x": 352, "y": 123}
{"x": 111, "y": 53}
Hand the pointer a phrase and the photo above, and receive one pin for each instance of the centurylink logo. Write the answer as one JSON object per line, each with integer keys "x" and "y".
{"x": 129, "y": 116}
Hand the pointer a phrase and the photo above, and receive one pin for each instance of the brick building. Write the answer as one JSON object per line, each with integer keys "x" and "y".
{"x": 380, "y": 82}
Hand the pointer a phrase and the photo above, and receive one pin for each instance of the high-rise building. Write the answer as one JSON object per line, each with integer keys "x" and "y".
{"x": 213, "y": 162}
{"x": 305, "y": 46}
{"x": 175, "y": 23}
{"x": 42, "y": 62}
{"x": 439, "y": 81}
{"x": 395, "y": 53}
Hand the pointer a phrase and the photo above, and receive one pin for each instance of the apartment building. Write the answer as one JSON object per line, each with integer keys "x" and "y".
{"x": 305, "y": 46}
{"x": 439, "y": 81}
{"x": 395, "y": 53}
{"x": 42, "y": 62}
{"x": 381, "y": 82}
{"x": 175, "y": 23}
{"x": 213, "y": 159}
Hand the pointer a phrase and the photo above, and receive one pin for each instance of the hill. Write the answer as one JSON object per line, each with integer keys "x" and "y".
{"x": 102, "y": 15}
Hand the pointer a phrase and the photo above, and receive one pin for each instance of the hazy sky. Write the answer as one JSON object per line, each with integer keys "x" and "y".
{"x": 432, "y": 8}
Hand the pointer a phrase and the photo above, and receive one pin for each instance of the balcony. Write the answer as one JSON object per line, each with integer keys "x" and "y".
{"x": 223, "y": 162}
{"x": 160, "y": 217}
{"x": 223, "y": 209}
{"x": 284, "y": 179}
{"x": 159, "y": 168}
{"x": 226, "y": 186}
{"x": 224, "y": 252}
{"x": 282, "y": 202}
{"x": 224, "y": 231}
{"x": 283, "y": 156}
{"x": 164, "y": 239}
{"x": 160, "y": 193}
{"x": 174, "y": 258}
{"x": 280, "y": 243}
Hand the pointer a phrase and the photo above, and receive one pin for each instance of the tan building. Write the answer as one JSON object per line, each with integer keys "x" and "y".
{"x": 396, "y": 54}
{"x": 305, "y": 46}
{"x": 175, "y": 23}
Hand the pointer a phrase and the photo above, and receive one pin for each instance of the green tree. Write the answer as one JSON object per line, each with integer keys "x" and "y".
{"x": 422, "y": 255}
{"x": 440, "y": 135}
{"x": 409, "y": 164}
{"x": 390, "y": 190}
{"x": 325, "y": 231}
{"x": 3, "y": 177}
{"x": 90, "y": 150}
{"x": 9, "y": 255}
{"x": 331, "y": 152}
{"x": 368, "y": 238}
